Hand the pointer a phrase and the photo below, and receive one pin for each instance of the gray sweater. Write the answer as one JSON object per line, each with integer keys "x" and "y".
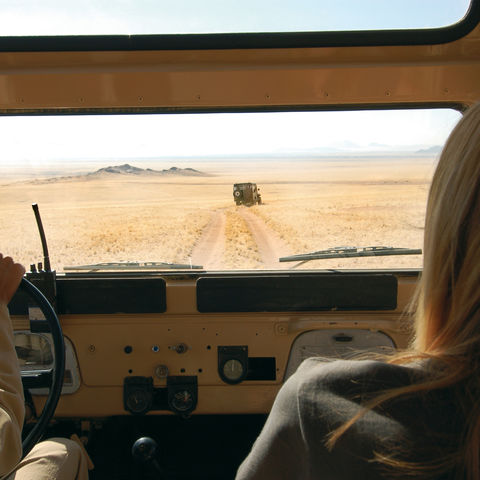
{"x": 321, "y": 396}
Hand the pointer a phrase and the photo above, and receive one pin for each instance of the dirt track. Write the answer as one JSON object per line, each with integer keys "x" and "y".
{"x": 209, "y": 250}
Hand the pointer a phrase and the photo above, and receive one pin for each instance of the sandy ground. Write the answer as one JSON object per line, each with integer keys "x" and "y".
{"x": 308, "y": 206}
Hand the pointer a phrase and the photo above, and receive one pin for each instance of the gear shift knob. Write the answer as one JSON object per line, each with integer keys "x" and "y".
{"x": 144, "y": 449}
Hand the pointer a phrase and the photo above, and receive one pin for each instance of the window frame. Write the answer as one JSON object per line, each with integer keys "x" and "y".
{"x": 227, "y": 41}
{"x": 182, "y": 110}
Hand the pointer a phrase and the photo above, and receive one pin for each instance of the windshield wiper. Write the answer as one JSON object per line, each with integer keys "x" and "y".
{"x": 349, "y": 252}
{"x": 134, "y": 266}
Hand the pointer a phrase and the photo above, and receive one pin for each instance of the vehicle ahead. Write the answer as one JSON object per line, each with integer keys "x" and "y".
{"x": 246, "y": 194}
{"x": 182, "y": 314}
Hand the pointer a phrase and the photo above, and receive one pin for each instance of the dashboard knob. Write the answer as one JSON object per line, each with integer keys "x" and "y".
{"x": 179, "y": 348}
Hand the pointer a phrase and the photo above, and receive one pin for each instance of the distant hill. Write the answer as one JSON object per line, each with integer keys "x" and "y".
{"x": 435, "y": 149}
{"x": 127, "y": 169}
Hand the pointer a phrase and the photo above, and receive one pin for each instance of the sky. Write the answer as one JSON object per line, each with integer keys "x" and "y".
{"x": 41, "y": 138}
{"x": 83, "y": 17}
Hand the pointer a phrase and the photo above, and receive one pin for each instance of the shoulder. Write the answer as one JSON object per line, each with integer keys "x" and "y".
{"x": 354, "y": 374}
{"x": 321, "y": 396}
{"x": 334, "y": 391}
{"x": 329, "y": 394}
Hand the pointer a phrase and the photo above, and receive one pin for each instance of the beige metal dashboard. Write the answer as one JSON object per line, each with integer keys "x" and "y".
{"x": 182, "y": 342}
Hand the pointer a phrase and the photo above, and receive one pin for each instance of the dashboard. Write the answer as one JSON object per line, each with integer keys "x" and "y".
{"x": 203, "y": 343}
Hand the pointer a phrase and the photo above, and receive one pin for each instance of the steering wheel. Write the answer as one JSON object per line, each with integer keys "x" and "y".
{"x": 58, "y": 366}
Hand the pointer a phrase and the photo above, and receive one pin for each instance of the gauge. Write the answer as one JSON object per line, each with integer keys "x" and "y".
{"x": 138, "y": 394}
{"x": 182, "y": 391}
{"x": 138, "y": 400}
{"x": 233, "y": 370}
{"x": 182, "y": 401}
{"x": 232, "y": 363}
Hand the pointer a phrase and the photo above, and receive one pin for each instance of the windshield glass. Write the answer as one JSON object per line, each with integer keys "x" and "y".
{"x": 137, "y": 17}
{"x": 219, "y": 191}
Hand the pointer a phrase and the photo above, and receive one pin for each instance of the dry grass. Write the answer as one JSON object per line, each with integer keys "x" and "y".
{"x": 349, "y": 215}
{"x": 310, "y": 205}
{"x": 111, "y": 224}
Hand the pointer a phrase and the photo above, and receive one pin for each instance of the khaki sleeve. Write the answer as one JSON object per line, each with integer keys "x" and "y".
{"x": 12, "y": 405}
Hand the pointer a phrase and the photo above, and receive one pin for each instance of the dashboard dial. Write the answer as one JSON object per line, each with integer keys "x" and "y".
{"x": 232, "y": 363}
{"x": 182, "y": 401}
{"x": 138, "y": 400}
{"x": 233, "y": 370}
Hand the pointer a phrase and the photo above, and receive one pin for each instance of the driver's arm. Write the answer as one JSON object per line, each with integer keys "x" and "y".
{"x": 12, "y": 408}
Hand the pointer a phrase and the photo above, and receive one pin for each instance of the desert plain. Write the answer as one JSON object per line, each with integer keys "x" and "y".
{"x": 308, "y": 205}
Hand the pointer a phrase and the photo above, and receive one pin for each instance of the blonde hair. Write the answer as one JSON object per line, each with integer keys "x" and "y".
{"x": 448, "y": 320}
{"x": 447, "y": 302}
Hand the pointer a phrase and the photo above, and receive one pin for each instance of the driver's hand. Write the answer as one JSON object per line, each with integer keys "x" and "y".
{"x": 11, "y": 274}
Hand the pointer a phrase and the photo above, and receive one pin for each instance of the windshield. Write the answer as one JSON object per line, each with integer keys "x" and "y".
{"x": 220, "y": 191}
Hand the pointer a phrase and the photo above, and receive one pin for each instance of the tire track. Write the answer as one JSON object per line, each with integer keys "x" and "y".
{"x": 210, "y": 249}
{"x": 270, "y": 246}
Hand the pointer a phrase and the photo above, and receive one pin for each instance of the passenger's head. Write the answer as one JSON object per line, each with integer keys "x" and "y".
{"x": 448, "y": 318}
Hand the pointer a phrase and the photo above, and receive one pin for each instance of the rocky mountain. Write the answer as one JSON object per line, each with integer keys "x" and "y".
{"x": 127, "y": 169}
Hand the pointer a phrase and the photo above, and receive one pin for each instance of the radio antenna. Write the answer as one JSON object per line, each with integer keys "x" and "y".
{"x": 46, "y": 259}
